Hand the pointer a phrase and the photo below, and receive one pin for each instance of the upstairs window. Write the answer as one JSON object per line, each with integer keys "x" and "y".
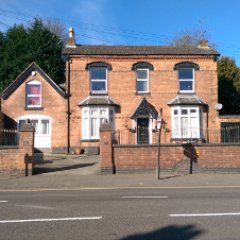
{"x": 33, "y": 94}
{"x": 142, "y": 70}
{"x": 98, "y": 76}
{"x": 186, "y": 79}
{"x": 98, "y": 80}
{"x": 186, "y": 76}
{"x": 142, "y": 80}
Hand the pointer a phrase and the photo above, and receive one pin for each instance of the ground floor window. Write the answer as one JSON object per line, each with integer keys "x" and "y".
{"x": 42, "y": 126}
{"x": 93, "y": 118}
{"x": 186, "y": 122}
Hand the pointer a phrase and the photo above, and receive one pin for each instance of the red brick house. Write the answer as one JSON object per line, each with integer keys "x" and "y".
{"x": 127, "y": 86}
{"x": 124, "y": 85}
{"x": 36, "y": 97}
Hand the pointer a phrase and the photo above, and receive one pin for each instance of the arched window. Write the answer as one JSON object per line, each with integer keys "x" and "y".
{"x": 186, "y": 76}
{"x": 142, "y": 76}
{"x": 33, "y": 94}
{"x": 98, "y": 76}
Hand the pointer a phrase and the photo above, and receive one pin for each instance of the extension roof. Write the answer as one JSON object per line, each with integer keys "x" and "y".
{"x": 22, "y": 77}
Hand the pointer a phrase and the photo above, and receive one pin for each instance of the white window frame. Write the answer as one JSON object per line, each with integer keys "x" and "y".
{"x": 99, "y": 80}
{"x": 142, "y": 80}
{"x": 34, "y": 82}
{"x": 187, "y": 80}
{"x": 87, "y": 117}
{"x": 178, "y": 131}
{"x": 39, "y": 119}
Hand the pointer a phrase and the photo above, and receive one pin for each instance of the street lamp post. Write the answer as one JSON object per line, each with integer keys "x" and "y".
{"x": 159, "y": 127}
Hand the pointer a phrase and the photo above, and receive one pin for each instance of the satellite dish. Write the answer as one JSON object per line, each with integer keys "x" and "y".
{"x": 218, "y": 106}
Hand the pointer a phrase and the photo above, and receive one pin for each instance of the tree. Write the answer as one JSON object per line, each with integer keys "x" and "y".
{"x": 56, "y": 27}
{"x": 228, "y": 79}
{"x": 14, "y": 54}
{"x": 21, "y": 46}
{"x": 46, "y": 49}
{"x": 190, "y": 38}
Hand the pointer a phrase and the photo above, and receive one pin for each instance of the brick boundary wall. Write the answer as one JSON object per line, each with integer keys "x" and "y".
{"x": 19, "y": 160}
{"x": 178, "y": 157}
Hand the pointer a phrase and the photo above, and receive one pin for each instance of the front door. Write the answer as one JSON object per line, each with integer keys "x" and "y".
{"x": 142, "y": 131}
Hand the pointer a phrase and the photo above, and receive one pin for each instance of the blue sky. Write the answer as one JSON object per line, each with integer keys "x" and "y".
{"x": 135, "y": 22}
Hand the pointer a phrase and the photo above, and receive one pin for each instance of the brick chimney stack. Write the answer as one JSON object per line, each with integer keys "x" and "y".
{"x": 71, "y": 40}
{"x": 203, "y": 43}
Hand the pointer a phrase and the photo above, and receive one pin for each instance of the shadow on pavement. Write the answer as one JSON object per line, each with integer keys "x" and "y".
{"x": 38, "y": 169}
{"x": 171, "y": 232}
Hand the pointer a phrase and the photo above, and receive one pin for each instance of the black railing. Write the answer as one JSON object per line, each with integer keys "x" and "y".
{"x": 8, "y": 137}
{"x": 225, "y": 134}
{"x": 230, "y": 134}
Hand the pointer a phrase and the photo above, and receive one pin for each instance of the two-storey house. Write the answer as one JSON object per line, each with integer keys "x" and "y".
{"x": 128, "y": 85}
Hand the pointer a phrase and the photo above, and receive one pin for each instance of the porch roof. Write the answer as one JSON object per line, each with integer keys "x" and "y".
{"x": 187, "y": 99}
{"x": 98, "y": 100}
{"x": 143, "y": 109}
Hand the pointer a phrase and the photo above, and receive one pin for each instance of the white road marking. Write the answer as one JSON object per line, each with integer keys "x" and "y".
{"x": 50, "y": 219}
{"x": 3, "y": 201}
{"x": 205, "y": 214}
{"x": 145, "y": 197}
{"x": 35, "y": 206}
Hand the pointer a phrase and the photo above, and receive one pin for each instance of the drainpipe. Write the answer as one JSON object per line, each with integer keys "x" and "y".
{"x": 68, "y": 105}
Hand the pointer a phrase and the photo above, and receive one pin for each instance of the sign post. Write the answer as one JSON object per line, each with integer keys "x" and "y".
{"x": 159, "y": 127}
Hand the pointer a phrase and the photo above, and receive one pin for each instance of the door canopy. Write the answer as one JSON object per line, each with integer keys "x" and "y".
{"x": 144, "y": 109}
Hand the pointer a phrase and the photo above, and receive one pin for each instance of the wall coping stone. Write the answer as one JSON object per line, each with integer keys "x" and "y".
{"x": 175, "y": 145}
{"x": 8, "y": 147}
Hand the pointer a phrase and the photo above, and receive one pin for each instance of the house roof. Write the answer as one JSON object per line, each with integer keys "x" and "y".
{"x": 138, "y": 50}
{"x": 187, "y": 99}
{"x": 143, "y": 109}
{"x": 98, "y": 100}
{"x": 22, "y": 77}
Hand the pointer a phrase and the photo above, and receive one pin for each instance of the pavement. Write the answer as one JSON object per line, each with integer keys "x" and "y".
{"x": 63, "y": 172}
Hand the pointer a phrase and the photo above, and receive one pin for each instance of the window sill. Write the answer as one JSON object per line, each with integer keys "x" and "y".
{"x": 185, "y": 139}
{"x": 186, "y": 92}
{"x": 33, "y": 108}
{"x": 99, "y": 93}
{"x": 90, "y": 140}
{"x": 142, "y": 93}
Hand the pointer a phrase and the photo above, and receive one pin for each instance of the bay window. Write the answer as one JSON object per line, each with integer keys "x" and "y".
{"x": 93, "y": 118}
{"x": 186, "y": 122}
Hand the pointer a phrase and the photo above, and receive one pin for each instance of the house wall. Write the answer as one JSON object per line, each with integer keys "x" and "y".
{"x": 122, "y": 88}
{"x": 229, "y": 119}
{"x": 54, "y": 106}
